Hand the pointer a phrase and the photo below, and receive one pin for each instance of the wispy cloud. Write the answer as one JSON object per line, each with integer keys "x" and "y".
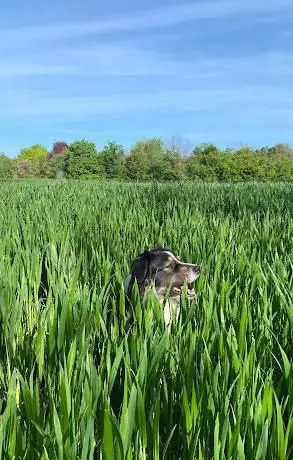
{"x": 119, "y": 59}
{"x": 150, "y": 19}
{"x": 10, "y": 70}
{"x": 250, "y": 97}
{"x": 163, "y": 70}
{"x": 101, "y": 59}
{"x": 126, "y": 59}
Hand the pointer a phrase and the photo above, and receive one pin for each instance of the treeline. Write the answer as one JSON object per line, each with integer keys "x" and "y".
{"x": 150, "y": 160}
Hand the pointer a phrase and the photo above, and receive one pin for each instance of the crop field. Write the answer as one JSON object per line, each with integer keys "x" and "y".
{"x": 83, "y": 376}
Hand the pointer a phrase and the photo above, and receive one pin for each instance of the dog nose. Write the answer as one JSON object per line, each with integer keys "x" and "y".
{"x": 197, "y": 269}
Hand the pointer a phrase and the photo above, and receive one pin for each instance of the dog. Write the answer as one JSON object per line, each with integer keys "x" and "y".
{"x": 163, "y": 272}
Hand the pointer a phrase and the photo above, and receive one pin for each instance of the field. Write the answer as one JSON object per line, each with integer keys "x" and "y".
{"x": 82, "y": 376}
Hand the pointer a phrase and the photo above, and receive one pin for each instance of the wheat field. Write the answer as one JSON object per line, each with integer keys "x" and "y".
{"x": 84, "y": 376}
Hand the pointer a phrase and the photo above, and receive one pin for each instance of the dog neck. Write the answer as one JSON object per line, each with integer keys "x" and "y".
{"x": 171, "y": 305}
{"x": 127, "y": 284}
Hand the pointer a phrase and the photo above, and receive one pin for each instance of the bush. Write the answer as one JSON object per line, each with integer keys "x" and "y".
{"x": 26, "y": 169}
{"x": 6, "y": 167}
{"x": 151, "y": 160}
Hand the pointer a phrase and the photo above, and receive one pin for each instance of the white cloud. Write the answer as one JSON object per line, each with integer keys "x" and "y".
{"x": 197, "y": 84}
{"x": 125, "y": 59}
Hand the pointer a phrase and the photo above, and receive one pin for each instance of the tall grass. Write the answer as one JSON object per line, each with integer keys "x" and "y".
{"x": 82, "y": 376}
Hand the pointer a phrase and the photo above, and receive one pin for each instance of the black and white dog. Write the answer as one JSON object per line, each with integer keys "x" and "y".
{"x": 163, "y": 272}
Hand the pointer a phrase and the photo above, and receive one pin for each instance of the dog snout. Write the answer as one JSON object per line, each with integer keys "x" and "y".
{"x": 191, "y": 268}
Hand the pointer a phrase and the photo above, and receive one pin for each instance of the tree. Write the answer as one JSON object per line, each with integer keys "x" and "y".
{"x": 57, "y": 159}
{"x": 196, "y": 169}
{"x": 6, "y": 167}
{"x": 179, "y": 145}
{"x": 33, "y": 153}
{"x": 207, "y": 163}
{"x": 145, "y": 160}
{"x": 82, "y": 160}
{"x": 111, "y": 160}
{"x": 281, "y": 149}
{"x": 59, "y": 148}
{"x": 26, "y": 169}
{"x": 246, "y": 165}
{"x": 283, "y": 168}
{"x": 206, "y": 149}
{"x": 172, "y": 166}
{"x": 45, "y": 169}
{"x": 58, "y": 165}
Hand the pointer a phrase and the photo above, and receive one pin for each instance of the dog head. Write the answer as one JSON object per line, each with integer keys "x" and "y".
{"x": 163, "y": 270}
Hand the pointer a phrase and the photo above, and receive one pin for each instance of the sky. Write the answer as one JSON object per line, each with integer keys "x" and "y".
{"x": 217, "y": 71}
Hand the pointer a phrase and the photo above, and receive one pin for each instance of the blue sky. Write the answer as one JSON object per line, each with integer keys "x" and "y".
{"x": 203, "y": 71}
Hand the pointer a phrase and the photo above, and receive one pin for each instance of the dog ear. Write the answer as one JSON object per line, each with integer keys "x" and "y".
{"x": 140, "y": 267}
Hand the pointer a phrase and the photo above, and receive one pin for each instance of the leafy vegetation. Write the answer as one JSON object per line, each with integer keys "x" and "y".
{"x": 83, "y": 377}
{"x": 82, "y": 160}
{"x": 33, "y": 153}
{"x": 149, "y": 160}
{"x": 6, "y": 167}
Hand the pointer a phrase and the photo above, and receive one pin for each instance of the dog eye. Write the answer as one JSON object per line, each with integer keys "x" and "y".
{"x": 170, "y": 265}
{"x": 165, "y": 267}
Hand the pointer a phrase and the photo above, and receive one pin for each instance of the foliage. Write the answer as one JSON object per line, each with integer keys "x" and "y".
{"x": 278, "y": 149}
{"x": 58, "y": 148}
{"x": 206, "y": 149}
{"x": 82, "y": 160}
{"x": 145, "y": 160}
{"x": 58, "y": 165}
{"x": 46, "y": 169}
{"x": 172, "y": 166}
{"x": 26, "y": 169}
{"x": 151, "y": 160}
{"x": 41, "y": 168}
{"x": 111, "y": 161}
{"x": 33, "y": 153}
{"x": 82, "y": 375}
{"x": 6, "y": 167}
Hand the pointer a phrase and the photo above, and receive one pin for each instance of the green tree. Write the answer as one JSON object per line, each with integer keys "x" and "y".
{"x": 206, "y": 149}
{"x": 283, "y": 167}
{"x": 281, "y": 149}
{"x": 58, "y": 165}
{"x": 6, "y": 167}
{"x": 196, "y": 169}
{"x": 111, "y": 160}
{"x": 207, "y": 163}
{"x": 145, "y": 160}
{"x": 33, "y": 153}
{"x": 45, "y": 168}
{"x": 246, "y": 165}
{"x": 172, "y": 166}
{"x": 82, "y": 160}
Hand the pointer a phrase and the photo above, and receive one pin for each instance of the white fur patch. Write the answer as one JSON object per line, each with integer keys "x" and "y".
{"x": 179, "y": 261}
{"x": 127, "y": 283}
{"x": 171, "y": 306}
{"x": 171, "y": 309}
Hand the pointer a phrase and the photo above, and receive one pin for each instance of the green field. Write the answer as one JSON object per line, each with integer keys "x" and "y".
{"x": 83, "y": 377}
